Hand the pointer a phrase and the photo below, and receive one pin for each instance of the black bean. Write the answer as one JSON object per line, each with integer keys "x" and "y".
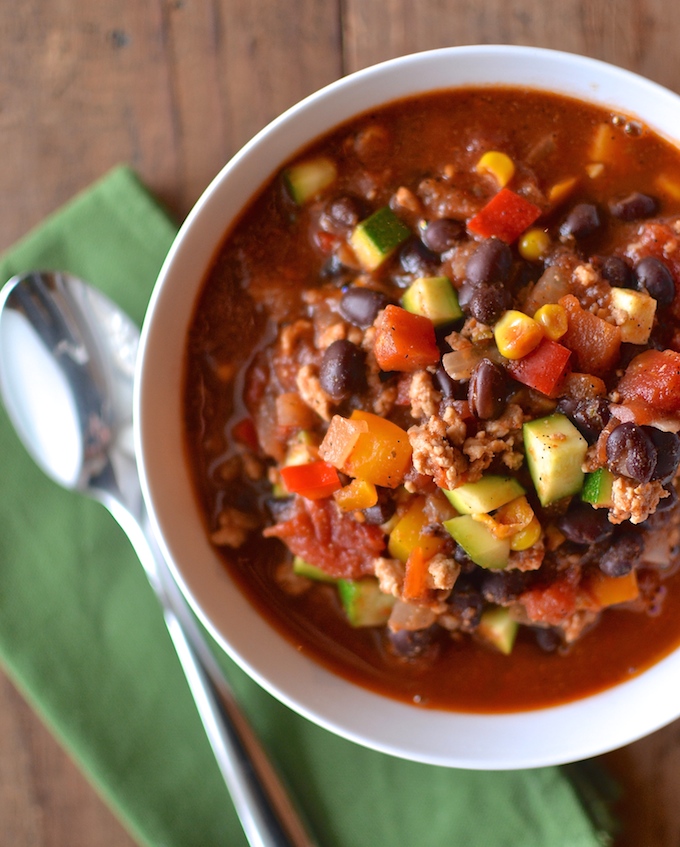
{"x": 415, "y": 258}
{"x": 446, "y": 385}
{"x": 583, "y": 524}
{"x": 412, "y": 644}
{"x": 622, "y": 554}
{"x": 343, "y": 369}
{"x": 490, "y": 264}
{"x": 442, "y": 234}
{"x": 583, "y": 220}
{"x": 488, "y": 303}
{"x": 383, "y": 509}
{"x": 617, "y": 272}
{"x": 667, "y": 451}
{"x": 466, "y": 604}
{"x": 589, "y": 416}
{"x": 631, "y": 452}
{"x": 655, "y": 276}
{"x": 503, "y": 587}
{"x": 360, "y": 306}
{"x": 487, "y": 390}
{"x": 634, "y": 206}
{"x": 342, "y": 214}
{"x": 668, "y": 502}
{"x": 547, "y": 639}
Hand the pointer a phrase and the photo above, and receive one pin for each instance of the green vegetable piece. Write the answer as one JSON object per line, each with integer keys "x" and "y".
{"x": 489, "y": 493}
{"x": 364, "y": 603}
{"x": 497, "y": 628}
{"x": 307, "y": 179}
{"x": 303, "y": 568}
{"x": 433, "y": 297}
{"x": 376, "y": 238}
{"x": 479, "y": 542}
{"x": 597, "y": 488}
{"x": 555, "y": 451}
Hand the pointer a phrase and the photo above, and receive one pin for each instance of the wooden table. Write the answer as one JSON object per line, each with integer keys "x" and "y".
{"x": 175, "y": 87}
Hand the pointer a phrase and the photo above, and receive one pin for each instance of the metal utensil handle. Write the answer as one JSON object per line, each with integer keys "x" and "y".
{"x": 262, "y": 804}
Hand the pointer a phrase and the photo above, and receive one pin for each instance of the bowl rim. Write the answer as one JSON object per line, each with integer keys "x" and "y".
{"x": 455, "y": 739}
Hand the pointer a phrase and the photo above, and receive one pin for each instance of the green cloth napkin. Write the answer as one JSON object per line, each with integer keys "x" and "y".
{"x": 82, "y": 636}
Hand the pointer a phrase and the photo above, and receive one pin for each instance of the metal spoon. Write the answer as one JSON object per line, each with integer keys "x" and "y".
{"x": 67, "y": 359}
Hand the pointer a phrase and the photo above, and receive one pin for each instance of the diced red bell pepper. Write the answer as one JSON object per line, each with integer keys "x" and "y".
{"x": 312, "y": 480}
{"x": 653, "y": 377}
{"x": 404, "y": 341}
{"x": 505, "y": 216}
{"x": 543, "y": 368}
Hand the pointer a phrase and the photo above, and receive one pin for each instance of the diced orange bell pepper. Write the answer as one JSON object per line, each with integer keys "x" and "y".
{"x": 543, "y": 368}
{"x": 505, "y": 216}
{"x": 404, "y": 341}
{"x": 594, "y": 342}
{"x": 359, "y": 494}
{"x": 611, "y": 590}
{"x": 415, "y": 575}
{"x": 408, "y": 534}
{"x": 313, "y": 480}
{"x": 380, "y": 455}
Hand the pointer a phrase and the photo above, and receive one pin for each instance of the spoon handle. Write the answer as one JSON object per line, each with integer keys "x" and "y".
{"x": 263, "y": 805}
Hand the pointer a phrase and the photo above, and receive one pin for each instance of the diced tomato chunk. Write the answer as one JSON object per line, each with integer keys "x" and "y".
{"x": 594, "y": 342}
{"x": 404, "y": 341}
{"x": 318, "y": 532}
{"x": 505, "y": 216}
{"x": 550, "y": 604}
{"x": 654, "y": 378}
{"x": 544, "y": 368}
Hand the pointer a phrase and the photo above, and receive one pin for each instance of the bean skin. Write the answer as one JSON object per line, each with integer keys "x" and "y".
{"x": 360, "y": 306}
{"x": 588, "y": 416}
{"x": 416, "y": 644}
{"x": 487, "y": 390}
{"x": 488, "y": 304}
{"x": 442, "y": 234}
{"x": 583, "y": 220}
{"x": 416, "y": 258}
{"x": 617, "y": 272}
{"x": 490, "y": 264}
{"x": 342, "y": 214}
{"x": 343, "y": 369}
{"x": 621, "y": 555}
{"x": 668, "y": 453}
{"x": 583, "y": 524}
{"x": 634, "y": 206}
{"x": 631, "y": 452}
{"x": 654, "y": 275}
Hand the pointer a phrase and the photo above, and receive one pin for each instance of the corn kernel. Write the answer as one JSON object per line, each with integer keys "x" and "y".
{"x": 534, "y": 244}
{"x": 553, "y": 319}
{"x": 516, "y": 334}
{"x": 498, "y": 165}
{"x": 526, "y": 537}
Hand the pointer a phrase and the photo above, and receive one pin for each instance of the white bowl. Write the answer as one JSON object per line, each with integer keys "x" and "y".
{"x": 482, "y": 741}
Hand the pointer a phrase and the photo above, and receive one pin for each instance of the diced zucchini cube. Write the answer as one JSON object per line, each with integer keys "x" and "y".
{"x": 376, "y": 238}
{"x": 364, "y": 603}
{"x": 433, "y": 297}
{"x": 498, "y": 628}
{"x": 489, "y": 493}
{"x": 597, "y": 488}
{"x": 303, "y": 568}
{"x": 479, "y": 542}
{"x": 555, "y": 451}
{"x": 307, "y": 179}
